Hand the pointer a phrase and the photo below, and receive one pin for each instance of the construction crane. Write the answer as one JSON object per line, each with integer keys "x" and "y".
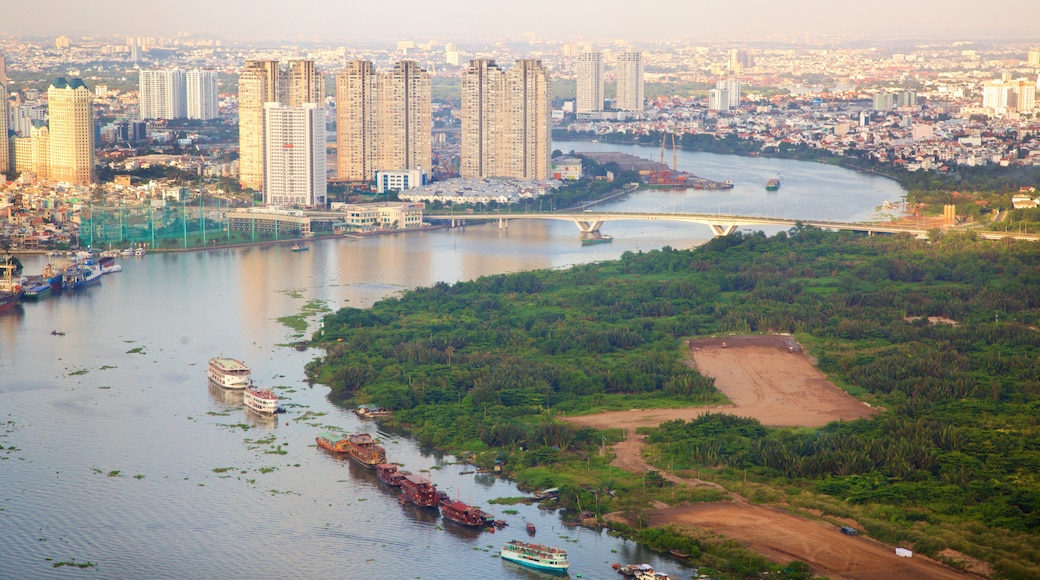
{"x": 675, "y": 155}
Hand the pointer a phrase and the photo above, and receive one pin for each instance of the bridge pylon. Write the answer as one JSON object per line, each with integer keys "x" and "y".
{"x": 587, "y": 226}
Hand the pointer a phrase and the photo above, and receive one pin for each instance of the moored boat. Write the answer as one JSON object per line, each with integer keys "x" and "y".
{"x": 602, "y": 239}
{"x": 365, "y": 451}
{"x": 419, "y": 491}
{"x": 773, "y": 184}
{"x": 299, "y": 248}
{"x": 634, "y": 570}
{"x": 371, "y": 412}
{"x": 108, "y": 265}
{"x": 330, "y": 442}
{"x": 530, "y": 528}
{"x": 537, "y": 556}
{"x": 228, "y": 373}
{"x": 81, "y": 276}
{"x": 465, "y": 514}
{"x": 390, "y": 475}
{"x": 7, "y": 301}
{"x": 260, "y": 400}
{"x": 139, "y": 252}
{"x": 37, "y": 292}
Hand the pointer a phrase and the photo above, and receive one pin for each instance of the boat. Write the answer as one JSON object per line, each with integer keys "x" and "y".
{"x": 390, "y": 475}
{"x": 537, "y": 556}
{"x": 602, "y": 239}
{"x": 108, "y": 265}
{"x": 228, "y": 373}
{"x": 82, "y": 275}
{"x": 139, "y": 252}
{"x": 37, "y": 292}
{"x": 11, "y": 283}
{"x": 635, "y": 570}
{"x": 773, "y": 184}
{"x": 465, "y": 514}
{"x": 127, "y": 252}
{"x": 530, "y": 528}
{"x": 260, "y": 400}
{"x": 299, "y": 248}
{"x": 371, "y": 412}
{"x": 419, "y": 491}
{"x": 359, "y": 446}
{"x": 7, "y": 301}
{"x": 53, "y": 276}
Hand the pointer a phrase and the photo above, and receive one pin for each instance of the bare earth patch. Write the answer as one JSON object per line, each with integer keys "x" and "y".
{"x": 770, "y": 379}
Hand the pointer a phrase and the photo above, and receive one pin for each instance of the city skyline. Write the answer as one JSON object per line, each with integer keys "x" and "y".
{"x": 668, "y": 19}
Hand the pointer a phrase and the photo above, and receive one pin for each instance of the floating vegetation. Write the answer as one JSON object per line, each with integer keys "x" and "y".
{"x": 139, "y": 476}
{"x": 219, "y": 413}
{"x": 106, "y": 367}
{"x": 79, "y": 372}
{"x": 510, "y": 512}
{"x": 136, "y": 350}
{"x": 242, "y": 426}
{"x": 276, "y": 451}
{"x": 74, "y": 564}
{"x": 113, "y": 473}
{"x": 264, "y": 441}
{"x": 508, "y": 500}
{"x": 222, "y": 469}
{"x": 297, "y": 322}
{"x": 267, "y": 469}
{"x": 276, "y": 492}
{"x": 104, "y": 387}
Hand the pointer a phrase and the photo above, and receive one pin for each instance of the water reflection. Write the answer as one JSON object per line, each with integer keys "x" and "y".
{"x": 225, "y": 396}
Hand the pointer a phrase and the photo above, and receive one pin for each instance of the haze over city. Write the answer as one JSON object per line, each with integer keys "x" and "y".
{"x": 472, "y": 19}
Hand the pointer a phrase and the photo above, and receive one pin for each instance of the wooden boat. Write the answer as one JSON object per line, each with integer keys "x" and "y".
{"x": 359, "y": 446}
{"x": 530, "y": 529}
{"x": 390, "y": 475}
{"x": 419, "y": 491}
{"x": 465, "y": 514}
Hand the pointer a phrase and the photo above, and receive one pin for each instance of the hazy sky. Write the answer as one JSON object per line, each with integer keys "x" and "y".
{"x": 553, "y": 19}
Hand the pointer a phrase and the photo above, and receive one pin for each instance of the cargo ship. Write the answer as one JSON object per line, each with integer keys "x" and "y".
{"x": 37, "y": 292}
{"x": 390, "y": 475}
{"x": 602, "y": 239}
{"x": 419, "y": 491}
{"x": 465, "y": 514}
{"x": 773, "y": 184}
{"x": 536, "y": 556}
{"x": 359, "y": 446}
{"x": 228, "y": 373}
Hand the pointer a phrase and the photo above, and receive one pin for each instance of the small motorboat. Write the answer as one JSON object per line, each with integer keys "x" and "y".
{"x": 530, "y": 529}
{"x": 57, "y": 333}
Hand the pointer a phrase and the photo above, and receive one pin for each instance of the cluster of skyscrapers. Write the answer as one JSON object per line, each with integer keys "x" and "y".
{"x": 178, "y": 94}
{"x": 591, "y": 79}
{"x": 1009, "y": 95}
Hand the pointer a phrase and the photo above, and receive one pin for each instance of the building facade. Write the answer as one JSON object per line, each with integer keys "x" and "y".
{"x": 202, "y": 95}
{"x": 718, "y": 100}
{"x": 589, "y": 69}
{"x": 6, "y": 162}
{"x": 506, "y": 120}
{"x": 162, "y": 95}
{"x": 294, "y": 154}
{"x": 71, "y": 128}
{"x": 630, "y": 83}
{"x": 732, "y": 88}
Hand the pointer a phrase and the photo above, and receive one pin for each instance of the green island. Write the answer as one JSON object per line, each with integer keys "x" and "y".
{"x": 950, "y": 466}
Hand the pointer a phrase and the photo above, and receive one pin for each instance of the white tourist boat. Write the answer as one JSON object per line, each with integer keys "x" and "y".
{"x": 536, "y": 556}
{"x": 260, "y": 400}
{"x": 228, "y": 373}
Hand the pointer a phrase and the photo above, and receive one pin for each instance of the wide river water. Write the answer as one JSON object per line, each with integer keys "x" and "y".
{"x": 115, "y": 452}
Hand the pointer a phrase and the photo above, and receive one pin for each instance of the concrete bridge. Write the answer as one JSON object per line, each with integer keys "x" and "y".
{"x": 589, "y": 222}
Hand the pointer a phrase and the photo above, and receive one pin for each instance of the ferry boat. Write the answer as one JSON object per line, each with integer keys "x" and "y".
{"x": 260, "y": 400}
{"x": 465, "y": 514}
{"x": 419, "y": 491}
{"x": 390, "y": 475}
{"x": 228, "y": 373}
{"x": 536, "y": 556}
{"x": 602, "y": 239}
{"x": 773, "y": 184}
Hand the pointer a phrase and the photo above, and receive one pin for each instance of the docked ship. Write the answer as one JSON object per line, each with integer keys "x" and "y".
{"x": 7, "y": 301}
{"x": 260, "y": 400}
{"x": 419, "y": 491}
{"x": 10, "y": 283}
{"x": 773, "y": 184}
{"x": 228, "y": 373}
{"x": 602, "y": 239}
{"x": 37, "y": 292}
{"x": 329, "y": 442}
{"x": 108, "y": 265}
{"x": 536, "y": 556}
{"x": 390, "y": 475}
{"x": 82, "y": 275}
{"x": 371, "y": 412}
{"x": 359, "y": 446}
{"x": 465, "y": 514}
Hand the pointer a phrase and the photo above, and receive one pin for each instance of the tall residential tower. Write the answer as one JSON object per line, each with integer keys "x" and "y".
{"x": 630, "y": 81}
{"x": 202, "y": 97}
{"x": 589, "y": 69}
{"x": 71, "y": 139}
{"x": 294, "y": 154}
{"x": 162, "y": 94}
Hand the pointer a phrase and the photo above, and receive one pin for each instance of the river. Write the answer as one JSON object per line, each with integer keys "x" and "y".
{"x": 115, "y": 452}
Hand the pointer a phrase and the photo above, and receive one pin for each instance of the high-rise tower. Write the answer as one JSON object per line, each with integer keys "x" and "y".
{"x": 202, "y": 97}
{"x": 383, "y": 120}
{"x": 505, "y": 120}
{"x": 589, "y": 69}
{"x": 294, "y": 154}
{"x": 5, "y": 151}
{"x": 71, "y": 139}
{"x": 162, "y": 94}
{"x": 630, "y": 81}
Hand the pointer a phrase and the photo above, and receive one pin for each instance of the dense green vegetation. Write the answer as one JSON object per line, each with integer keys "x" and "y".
{"x": 951, "y": 462}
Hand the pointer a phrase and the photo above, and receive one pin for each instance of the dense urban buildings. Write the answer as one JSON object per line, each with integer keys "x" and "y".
{"x": 266, "y": 81}
{"x": 5, "y": 155}
{"x": 505, "y": 120}
{"x": 71, "y": 129}
{"x": 162, "y": 94}
{"x": 384, "y": 120}
{"x": 590, "y": 75}
{"x": 630, "y": 85}
{"x": 202, "y": 95}
{"x": 294, "y": 154}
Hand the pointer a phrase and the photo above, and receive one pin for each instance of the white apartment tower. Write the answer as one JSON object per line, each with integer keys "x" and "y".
{"x": 718, "y": 100}
{"x": 202, "y": 97}
{"x": 506, "y": 120}
{"x": 261, "y": 82}
{"x": 630, "y": 81}
{"x": 5, "y": 150}
{"x": 162, "y": 94}
{"x": 589, "y": 69}
{"x": 294, "y": 154}
{"x": 995, "y": 95}
{"x": 384, "y": 120}
{"x": 71, "y": 132}
{"x": 732, "y": 88}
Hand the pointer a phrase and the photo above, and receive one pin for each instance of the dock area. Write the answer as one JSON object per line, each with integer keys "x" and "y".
{"x": 654, "y": 173}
